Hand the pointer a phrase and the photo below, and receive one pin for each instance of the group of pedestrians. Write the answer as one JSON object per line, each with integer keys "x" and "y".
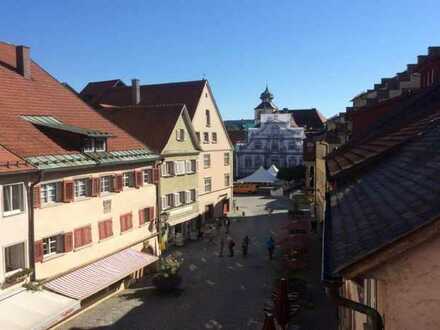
{"x": 270, "y": 244}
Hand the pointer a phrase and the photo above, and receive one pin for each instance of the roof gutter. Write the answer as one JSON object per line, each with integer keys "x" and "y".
{"x": 31, "y": 223}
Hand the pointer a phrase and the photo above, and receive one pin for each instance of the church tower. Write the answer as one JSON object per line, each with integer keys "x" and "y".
{"x": 266, "y": 105}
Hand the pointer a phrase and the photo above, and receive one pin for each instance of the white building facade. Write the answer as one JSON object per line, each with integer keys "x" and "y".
{"x": 277, "y": 141}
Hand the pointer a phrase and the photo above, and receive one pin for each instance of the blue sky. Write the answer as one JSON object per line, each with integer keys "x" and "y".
{"x": 311, "y": 53}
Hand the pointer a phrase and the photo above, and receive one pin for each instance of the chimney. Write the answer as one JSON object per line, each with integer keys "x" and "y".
{"x": 23, "y": 61}
{"x": 135, "y": 92}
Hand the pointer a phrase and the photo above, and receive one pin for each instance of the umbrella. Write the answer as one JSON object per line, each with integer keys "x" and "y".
{"x": 282, "y": 304}
{"x": 269, "y": 324}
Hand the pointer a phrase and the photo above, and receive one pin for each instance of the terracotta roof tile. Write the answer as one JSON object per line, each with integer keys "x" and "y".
{"x": 11, "y": 163}
{"x": 43, "y": 95}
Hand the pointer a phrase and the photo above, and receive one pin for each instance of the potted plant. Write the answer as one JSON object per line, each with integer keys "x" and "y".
{"x": 168, "y": 277}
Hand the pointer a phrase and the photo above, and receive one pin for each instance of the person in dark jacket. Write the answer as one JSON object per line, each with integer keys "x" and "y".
{"x": 270, "y": 244}
{"x": 231, "y": 245}
{"x": 245, "y": 245}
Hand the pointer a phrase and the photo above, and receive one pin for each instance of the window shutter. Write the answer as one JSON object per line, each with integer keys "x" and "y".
{"x": 118, "y": 183}
{"x": 138, "y": 179}
{"x": 156, "y": 175}
{"x": 88, "y": 235}
{"x": 164, "y": 203}
{"x": 173, "y": 168}
{"x": 68, "y": 242}
{"x": 37, "y": 197}
{"x": 187, "y": 166}
{"x": 109, "y": 227}
{"x": 151, "y": 214}
{"x": 129, "y": 221}
{"x": 188, "y": 196}
{"x": 68, "y": 191}
{"x": 95, "y": 187}
{"x": 123, "y": 223}
{"x": 38, "y": 251}
{"x": 60, "y": 243}
{"x": 141, "y": 216}
{"x": 102, "y": 229}
{"x": 78, "y": 238}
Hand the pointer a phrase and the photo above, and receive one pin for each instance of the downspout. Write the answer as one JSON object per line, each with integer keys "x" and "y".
{"x": 332, "y": 291}
{"x": 31, "y": 226}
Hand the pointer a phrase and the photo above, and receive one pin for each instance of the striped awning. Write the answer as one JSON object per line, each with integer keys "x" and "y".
{"x": 88, "y": 280}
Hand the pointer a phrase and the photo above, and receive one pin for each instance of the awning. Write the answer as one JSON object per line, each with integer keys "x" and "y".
{"x": 86, "y": 281}
{"x": 35, "y": 310}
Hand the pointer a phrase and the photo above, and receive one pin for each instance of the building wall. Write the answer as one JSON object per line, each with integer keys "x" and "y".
{"x": 13, "y": 228}
{"x": 186, "y": 150}
{"x": 408, "y": 294}
{"x": 66, "y": 217}
{"x": 320, "y": 180}
{"x": 218, "y": 169}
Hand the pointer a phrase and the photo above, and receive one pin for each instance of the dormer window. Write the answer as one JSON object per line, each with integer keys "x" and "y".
{"x": 94, "y": 145}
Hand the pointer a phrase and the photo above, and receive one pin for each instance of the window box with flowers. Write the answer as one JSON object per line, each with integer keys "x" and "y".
{"x": 168, "y": 278}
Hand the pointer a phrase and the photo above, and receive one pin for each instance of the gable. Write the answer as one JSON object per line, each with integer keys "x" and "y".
{"x": 188, "y": 145}
{"x": 207, "y": 102}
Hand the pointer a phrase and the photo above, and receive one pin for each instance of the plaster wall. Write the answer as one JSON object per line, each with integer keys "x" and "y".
{"x": 61, "y": 217}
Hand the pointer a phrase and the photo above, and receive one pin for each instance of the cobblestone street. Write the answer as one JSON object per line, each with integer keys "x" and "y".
{"x": 218, "y": 293}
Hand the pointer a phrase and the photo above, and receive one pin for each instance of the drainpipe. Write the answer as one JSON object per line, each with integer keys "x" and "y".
{"x": 332, "y": 291}
{"x": 31, "y": 231}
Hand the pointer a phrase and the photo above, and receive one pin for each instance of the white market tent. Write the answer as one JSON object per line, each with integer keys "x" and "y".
{"x": 259, "y": 176}
{"x": 273, "y": 170}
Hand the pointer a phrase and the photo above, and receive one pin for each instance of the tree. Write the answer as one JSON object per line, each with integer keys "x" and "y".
{"x": 292, "y": 173}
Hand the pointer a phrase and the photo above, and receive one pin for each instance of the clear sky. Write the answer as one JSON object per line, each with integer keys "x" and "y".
{"x": 311, "y": 53}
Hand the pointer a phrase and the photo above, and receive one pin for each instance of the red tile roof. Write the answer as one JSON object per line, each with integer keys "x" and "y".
{"x": 152, "y": 125}
{"x": 237, "y": 136}
{"x": 10, "y": 163}
{"x": 310, "y": 118}
{"x": 43, "y": 95}
{"x": 187, "y": 92}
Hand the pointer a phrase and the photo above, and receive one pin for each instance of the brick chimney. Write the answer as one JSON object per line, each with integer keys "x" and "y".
{"x": 23, "y": 61}
{"x": 135, "y": 92}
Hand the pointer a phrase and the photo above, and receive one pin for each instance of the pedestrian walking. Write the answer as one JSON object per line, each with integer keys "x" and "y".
{"x": 227, "y": 224}
{"x": 231, "y": 245}
{"x": 222, "y": 246}
{"x": 245, "y": 245}
{"x": 270, "y": 244}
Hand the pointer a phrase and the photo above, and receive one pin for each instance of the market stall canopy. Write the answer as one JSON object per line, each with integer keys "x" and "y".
{"x": 273, "y": 170}
{"x": 259, "y": 176}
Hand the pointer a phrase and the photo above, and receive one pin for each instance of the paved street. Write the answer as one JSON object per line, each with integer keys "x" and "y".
{"x": 218, "y": 293}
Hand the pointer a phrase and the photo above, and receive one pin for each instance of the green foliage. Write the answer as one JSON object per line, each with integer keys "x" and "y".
{"x": 292, "y": 173}
{"x": 169, "y": 266}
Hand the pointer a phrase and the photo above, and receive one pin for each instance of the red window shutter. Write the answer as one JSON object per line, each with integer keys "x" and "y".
{"x": 67, "y": 191}
{"x": 38, "y": 251}
{"x": 102, "y": 230}
{"x": 138, "y": 178}
{"x": 118, "y": 183}
{"x": 156, "y": 175}
{"x": 109, "y": 228}
{"x": 151, "y": 213}
{"x": 129, "y": 221}
{"x": 68, "y": 242}
{"x": 122, "y": 221}
{"x": 37, "y": 197}
{"x": 95, "y": 187}
{"x": 88, "y": 235}
{"x": 141, "y": 216}
{"x": 78, "y": 238}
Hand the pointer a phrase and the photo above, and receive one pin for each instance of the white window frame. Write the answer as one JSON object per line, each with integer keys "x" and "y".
{"x": 25, "y": 261}
{"x": 180, "y": 134}
{"x": 104, "y": 145}
{"x": 164, "y": 203}
{"x": 128, "y": 179}
{"x": 208, "y": 117}
{"x": 103, "y": 184}
{"x": 44, "y": 196}
{"x": 81, "y": 186}
{"x": 170, "y": 200}
{"x": 205, "y": 137}
{"x": 214, "y": 137}
{"x": 227, "y": 175}
{"x": 179, "y": 166}
{"x": 13, "y": 211}
{"x": 193, "y": 193}
{"x": 177, "y": 201}
{"x": 207, "y": 182}
{"x": 48, "y": 247}
{"x": 206, "y": 160}
{"x": 145, "y": 175}
{"x": 88, "y": 145}
{"x": 227, "y": 159}
{"x": 188, "y": 199}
